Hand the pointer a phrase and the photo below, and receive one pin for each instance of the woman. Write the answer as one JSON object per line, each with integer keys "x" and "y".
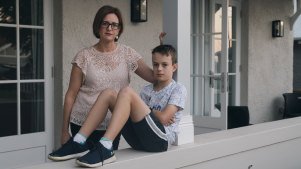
{"x": 105, "y": 65}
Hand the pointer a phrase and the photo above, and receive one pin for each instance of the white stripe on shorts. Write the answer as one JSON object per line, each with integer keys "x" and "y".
{"x": 155, "y": 128}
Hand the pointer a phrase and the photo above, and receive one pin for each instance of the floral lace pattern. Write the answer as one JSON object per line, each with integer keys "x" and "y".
{"x": 101, "y": 71}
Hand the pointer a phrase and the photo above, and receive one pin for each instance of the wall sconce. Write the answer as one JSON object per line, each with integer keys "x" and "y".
{"x": 277, "y": 28}
{"x": 138, "y": 10}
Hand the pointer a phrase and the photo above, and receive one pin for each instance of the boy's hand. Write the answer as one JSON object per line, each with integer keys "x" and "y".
{"x": 170, "y": 121}
{"x": 162, "y": 34}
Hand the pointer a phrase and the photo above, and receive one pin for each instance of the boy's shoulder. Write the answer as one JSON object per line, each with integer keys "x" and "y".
{"x": 178, "y": 87}
{"x": 147, "y": 88}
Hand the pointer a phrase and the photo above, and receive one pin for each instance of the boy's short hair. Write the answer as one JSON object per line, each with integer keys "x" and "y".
{"x": 167, "y": 50}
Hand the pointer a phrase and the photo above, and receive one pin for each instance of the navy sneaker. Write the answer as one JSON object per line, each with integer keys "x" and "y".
{"x": 69, "y": 150}
{"x": 98, "y": 156}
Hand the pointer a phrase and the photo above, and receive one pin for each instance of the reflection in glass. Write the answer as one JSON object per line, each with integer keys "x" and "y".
{"x": 217, "y": 56}
{"x": 196, "y": 68}
{"x": 143, "y": 10}
{"x": 232, "y": 22}
{"x": 31, "y": 54}
{"x": 8, "y": 11}
{"x": 32, "y": 107}
{"x": 217, "y": 99}
{"x": 31, "y": 12}
{"x": 232, "y": 57}
{"x": 8, "y": 54}
{"x": 232, "y": 87}
{"x": 8, "y": 113}
{"x": 218, "y": 19}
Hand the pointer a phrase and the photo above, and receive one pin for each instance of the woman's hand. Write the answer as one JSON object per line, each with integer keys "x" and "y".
{"x": 162, "y": 34}
{"x": 65, "y": 137}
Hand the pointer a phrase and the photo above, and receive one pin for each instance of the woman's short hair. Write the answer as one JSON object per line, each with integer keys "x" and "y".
{"x": 101, "y": 14}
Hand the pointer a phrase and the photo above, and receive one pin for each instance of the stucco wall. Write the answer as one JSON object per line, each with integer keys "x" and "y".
{"x": 73, "y": 30}
{"x": 270, "y": 60}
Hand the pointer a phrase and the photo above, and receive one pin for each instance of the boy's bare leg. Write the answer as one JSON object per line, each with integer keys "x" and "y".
{"x": 97, "y": 114}
{"x": 128, "y": 104}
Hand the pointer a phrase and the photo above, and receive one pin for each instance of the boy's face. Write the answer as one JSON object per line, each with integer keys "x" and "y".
{"x": 163, "y": 68}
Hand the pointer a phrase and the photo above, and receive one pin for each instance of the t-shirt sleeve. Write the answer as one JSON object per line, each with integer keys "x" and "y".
{"x": 178, "y": 96}
{"x": 132, "y": 59}
{"x": 81, "y": 61}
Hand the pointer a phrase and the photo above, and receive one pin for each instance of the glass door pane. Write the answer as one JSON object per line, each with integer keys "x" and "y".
{"x": 8, "y": 53}
{"x": 22, "y": 78}
{"x": 8, "y": 113}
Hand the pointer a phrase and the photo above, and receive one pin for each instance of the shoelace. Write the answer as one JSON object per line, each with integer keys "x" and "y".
{"x": 98, "y": 148}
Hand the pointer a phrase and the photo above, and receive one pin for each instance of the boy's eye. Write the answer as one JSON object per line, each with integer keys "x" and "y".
{"x": 164, "y": 65}
{"x": 156, "y": 64}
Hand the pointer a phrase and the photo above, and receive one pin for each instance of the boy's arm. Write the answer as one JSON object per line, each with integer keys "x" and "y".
{"x": 166, "y": 117}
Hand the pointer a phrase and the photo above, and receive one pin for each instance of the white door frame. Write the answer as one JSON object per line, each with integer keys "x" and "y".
{"x": 42, "y": 141}
{"x": 220, "y": 123}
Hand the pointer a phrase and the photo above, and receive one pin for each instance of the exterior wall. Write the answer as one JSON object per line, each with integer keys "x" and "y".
{"x": 270, "y": 60}
{"x": 74, "y": 32}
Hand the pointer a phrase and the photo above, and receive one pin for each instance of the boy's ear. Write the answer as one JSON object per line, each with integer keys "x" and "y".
{"x": 175, "y": 67}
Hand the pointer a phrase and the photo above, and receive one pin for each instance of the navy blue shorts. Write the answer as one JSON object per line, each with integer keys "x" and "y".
{"x": 147, "y": 135}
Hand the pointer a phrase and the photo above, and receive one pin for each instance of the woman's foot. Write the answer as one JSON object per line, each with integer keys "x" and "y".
{"x": 98, "y": 156}
{"x": 69, "y": 150}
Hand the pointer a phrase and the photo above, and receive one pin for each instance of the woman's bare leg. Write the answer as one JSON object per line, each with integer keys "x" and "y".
{"x": 106, "y": 100}
{"x": 128, "y": 104}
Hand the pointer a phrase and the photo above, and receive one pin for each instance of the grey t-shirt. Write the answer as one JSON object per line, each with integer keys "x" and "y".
{"x": 175, "y": 94}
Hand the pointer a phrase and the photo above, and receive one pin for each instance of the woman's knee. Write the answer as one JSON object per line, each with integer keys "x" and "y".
{"x": 126, "y": 91}
{"x": 108, "y": 93}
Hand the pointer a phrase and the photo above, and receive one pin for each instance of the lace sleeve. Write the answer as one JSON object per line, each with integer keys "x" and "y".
{"x": 132, "y": 59}
{"x": 81, "y": 61}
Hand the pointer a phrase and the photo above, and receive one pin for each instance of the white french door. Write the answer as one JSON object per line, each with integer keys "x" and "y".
{"x": 215, "y": 62}
{"x": 25, "y": 82}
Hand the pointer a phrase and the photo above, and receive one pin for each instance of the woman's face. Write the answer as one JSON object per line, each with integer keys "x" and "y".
{"x": 108, "y": 30}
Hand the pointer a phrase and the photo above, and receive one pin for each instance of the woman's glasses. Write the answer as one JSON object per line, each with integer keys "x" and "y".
{"x": 113, "y": 25}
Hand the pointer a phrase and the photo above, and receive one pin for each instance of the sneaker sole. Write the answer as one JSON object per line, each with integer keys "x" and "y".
{"x": 68, "y": 157}
{"x": 107, "y": 161}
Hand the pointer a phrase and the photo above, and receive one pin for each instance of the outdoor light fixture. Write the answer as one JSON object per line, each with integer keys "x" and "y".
{"x": 277, "y": 28}
{"x": 138, "y": 10}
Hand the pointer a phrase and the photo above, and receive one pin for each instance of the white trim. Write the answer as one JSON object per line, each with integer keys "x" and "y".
{"x": 48, "y": 66}
{"x": 177, "y": 22}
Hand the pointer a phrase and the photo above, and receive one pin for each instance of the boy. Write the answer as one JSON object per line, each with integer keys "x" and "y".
{"x": 149, "y": 122}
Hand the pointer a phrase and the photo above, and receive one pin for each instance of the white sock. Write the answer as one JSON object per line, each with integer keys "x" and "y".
{"x": 106, "y": 143}
{"x": 79, "y": 138}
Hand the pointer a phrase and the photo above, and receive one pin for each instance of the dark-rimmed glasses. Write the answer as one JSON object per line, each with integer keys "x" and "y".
{"x": 113, "y": 25}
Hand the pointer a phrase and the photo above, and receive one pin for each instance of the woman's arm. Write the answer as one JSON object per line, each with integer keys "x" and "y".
{"x": 74, "y": 85}
{"x": 144, "y": 71}
{"x": 166, "y": 117}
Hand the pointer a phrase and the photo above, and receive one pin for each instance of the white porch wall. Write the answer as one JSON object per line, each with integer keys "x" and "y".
{"x": 297, "y": 26}
{"x": 76, "y": 27}
{"x": 267, "y": 62}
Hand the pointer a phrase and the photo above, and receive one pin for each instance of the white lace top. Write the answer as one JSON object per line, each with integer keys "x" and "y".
{"x": 101, "y": 71}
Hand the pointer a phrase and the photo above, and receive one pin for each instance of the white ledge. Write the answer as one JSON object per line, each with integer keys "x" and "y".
{"x": 206, "y": 147}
